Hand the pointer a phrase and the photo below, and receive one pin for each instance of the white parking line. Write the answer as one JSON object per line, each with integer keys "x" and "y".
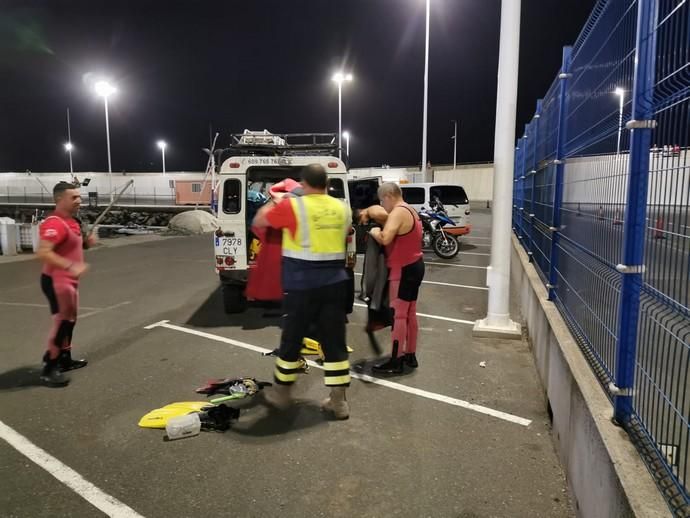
{"x": 369, "y": 379}
{"x": 110, "y": 505}
{"x": 461, "y": 253}
{"x": 449, "y": 284}
{"x": 488, "y": 245}
{"x": 435, "y": 317}
{"x": 456, "y": 265}
{"x": 101, "y": 310}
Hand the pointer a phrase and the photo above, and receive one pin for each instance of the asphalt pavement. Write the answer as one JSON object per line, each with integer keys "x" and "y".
{"x": 452, "y": 439}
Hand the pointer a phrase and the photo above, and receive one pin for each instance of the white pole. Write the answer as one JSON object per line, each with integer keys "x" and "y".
{"x": 340, "y": 119}
{"x": 426, "y": 86}
{"x": 163, "y": 153}
{"x": 69, "y": 140}
{"x": 455, "y": 146}
{"x": 497, "y": 321}
{"x": 347, "y": 145}
{"x": 620, "y": 120}
{"x": 107, "y": 137}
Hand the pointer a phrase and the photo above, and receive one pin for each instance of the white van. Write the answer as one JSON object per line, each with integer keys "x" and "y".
{"x": 453, "y": 198}
{"x": 248, "y": 170}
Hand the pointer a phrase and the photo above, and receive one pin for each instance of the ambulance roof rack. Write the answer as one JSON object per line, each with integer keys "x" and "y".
{"x": 264, "y": 143}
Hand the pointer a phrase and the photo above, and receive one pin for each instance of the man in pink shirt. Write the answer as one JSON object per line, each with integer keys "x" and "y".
{"x": 61, "y": 250}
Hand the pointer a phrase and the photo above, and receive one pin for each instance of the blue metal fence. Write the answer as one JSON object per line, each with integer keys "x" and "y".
{"x": 602, "y": 207}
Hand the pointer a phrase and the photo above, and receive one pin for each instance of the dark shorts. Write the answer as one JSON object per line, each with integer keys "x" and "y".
{"x": 410, "y": 280}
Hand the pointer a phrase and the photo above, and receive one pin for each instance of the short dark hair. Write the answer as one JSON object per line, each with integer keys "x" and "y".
{"x": 315, "y": 176}
{"x": 61, "y": 187}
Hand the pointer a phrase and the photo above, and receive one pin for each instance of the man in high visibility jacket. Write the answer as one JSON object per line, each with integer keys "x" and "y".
{"x": 315, "y": 228}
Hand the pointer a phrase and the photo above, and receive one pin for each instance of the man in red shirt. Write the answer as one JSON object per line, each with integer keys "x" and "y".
{"x": 61, "y": 250}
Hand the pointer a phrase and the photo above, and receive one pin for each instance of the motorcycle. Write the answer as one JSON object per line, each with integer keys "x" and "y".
{"x": 443, "y": 241}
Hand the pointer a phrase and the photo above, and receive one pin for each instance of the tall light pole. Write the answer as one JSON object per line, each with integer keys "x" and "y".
{"x": 455, "y": 145}
{"x": 498, "y": 321}
{"x": 162, "y": 145}
{"x": 340, "y": 78}
{"x": 621, "y": 95}
{"x": 426, "y": 85}
{"x": 105, "y": 90}
{"x": 69, "y": 147}
{"x": 346, "y": 136}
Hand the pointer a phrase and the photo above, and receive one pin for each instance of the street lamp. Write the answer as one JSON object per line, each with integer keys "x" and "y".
{"x": 455, "y": 144}
{"x": 105, "y": 90}
{"x": 69, "y": 147}
{"x": 162, "y": 145}
{"x": 426, "y": 85}
{"x": 621, "y": 94}
{"x": 340, "y": 78}
{"x": 346, "y": 136}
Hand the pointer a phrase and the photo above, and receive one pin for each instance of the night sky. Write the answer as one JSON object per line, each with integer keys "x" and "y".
{"x": 181, "y": 66}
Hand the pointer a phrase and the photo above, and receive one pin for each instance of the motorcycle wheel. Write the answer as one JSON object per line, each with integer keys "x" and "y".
{"x": 446, "y": 246}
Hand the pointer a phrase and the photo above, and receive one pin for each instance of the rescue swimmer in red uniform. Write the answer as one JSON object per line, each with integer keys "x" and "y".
{"x": 61, "y": 250}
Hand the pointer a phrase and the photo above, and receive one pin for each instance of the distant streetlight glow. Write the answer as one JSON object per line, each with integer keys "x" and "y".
{"x": 104, "y": 89}
{"x": 162, "y": 145}
{"x": 340, "y": 78}
{"x": 69, "y": 147}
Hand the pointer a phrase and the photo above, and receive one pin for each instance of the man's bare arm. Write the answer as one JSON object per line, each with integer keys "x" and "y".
{"x": 46, "y": 253}
{"x": 393, "y": 223}
{"x": 376, "y": 213}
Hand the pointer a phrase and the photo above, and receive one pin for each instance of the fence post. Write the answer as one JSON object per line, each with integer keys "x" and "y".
{"x": 632, "y": 269}
{"x": 560, "y": 167}
{"x": 534, "y": 136}
{"x": 516, "y": 194}
{"x": 523, "y": 161}
{"x": 521, "y": 189}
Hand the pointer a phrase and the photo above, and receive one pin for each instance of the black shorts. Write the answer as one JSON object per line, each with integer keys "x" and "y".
{"x": 411, "y": 277}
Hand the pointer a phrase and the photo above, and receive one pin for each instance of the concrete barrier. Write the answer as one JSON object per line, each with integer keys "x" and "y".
{"x": 606, "y": 476}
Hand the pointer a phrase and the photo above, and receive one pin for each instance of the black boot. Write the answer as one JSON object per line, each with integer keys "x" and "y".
{"x": 52, "y": 375}
{"x": 411, "y": 360}
{"x": 393, "y": 366}
{"x": 66, "y": 363}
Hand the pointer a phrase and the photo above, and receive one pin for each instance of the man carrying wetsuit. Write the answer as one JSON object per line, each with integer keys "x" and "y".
{"x": 402, "y": 237}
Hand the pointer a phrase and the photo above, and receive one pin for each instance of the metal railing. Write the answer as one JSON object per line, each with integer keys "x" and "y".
{"x": 101, "y": 199}
{"x": 602, "y": 208}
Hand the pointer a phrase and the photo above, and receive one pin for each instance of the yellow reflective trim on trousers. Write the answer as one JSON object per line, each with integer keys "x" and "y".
{"x": 337, "y": 380}
{"x": 336, "y": 366}
{"x": 287, "y": 378}
{"x": 289, "y": 365}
